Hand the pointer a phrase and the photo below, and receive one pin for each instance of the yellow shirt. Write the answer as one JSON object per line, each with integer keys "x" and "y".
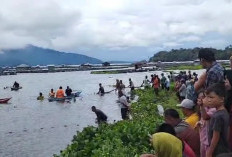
{"x": 192, "y": 120}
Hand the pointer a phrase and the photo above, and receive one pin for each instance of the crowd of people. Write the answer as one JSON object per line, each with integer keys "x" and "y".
{"x": 205, "y": 102}
{"x": 206, "y": 129}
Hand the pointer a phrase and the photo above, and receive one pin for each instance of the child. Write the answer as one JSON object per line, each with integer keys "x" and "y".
{"x": 205, "y": 113}
{"x": 219, "y": 122}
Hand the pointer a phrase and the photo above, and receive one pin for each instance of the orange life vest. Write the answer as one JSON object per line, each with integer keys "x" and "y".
{"x": 60, "y": 93}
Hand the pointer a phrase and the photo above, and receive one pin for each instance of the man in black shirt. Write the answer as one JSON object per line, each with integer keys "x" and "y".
{"x": 68, "y": 91}
{"x": 101, "y": 90}
{"x": 101, "y": 117}
{"x": 16, "y": 85}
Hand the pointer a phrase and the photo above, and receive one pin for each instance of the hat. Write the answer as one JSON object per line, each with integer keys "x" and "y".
{"x": 186, "y": 103}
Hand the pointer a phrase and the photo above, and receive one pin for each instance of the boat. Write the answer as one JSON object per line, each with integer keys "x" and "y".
{"x": 15, "y": 89}
{"x": 68, "y": 98}
{"x": 4, "y": 101}
{"x": 51, "y": 99}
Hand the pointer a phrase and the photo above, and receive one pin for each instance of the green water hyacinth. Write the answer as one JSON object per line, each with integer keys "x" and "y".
{"x": 127, "y": 138}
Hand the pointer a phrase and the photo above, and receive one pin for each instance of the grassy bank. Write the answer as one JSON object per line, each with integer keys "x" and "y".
{"x": 124, "y": 138}
{"x": 105, "y": 72}
{"x": 185, "y": 67}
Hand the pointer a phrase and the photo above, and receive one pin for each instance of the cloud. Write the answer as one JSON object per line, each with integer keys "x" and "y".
{"x": 114, "y": 25}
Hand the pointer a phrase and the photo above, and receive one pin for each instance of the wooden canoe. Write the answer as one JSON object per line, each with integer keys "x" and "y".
{"x": 15, "y": 89}
{"x": 4, "y": 101}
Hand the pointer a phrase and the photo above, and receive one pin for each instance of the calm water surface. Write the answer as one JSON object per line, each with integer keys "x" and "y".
{"x": 31, "y": 128}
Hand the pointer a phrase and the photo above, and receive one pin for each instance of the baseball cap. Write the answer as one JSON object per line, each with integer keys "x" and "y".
{"x": 186, "y": 103}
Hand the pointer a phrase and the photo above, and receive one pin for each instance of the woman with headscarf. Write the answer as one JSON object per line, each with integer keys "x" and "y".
{"x": 165, "y": 145}
{"x": 228, "y": 99}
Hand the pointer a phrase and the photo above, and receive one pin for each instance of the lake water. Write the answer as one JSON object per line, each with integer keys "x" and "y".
{"x": 40, "y": 128}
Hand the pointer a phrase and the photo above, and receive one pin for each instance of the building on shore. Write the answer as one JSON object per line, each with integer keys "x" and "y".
{"x": 51, "y": 68}
{"x": 140, "y": 65}
{"x": 9, "y": 71}
{"x": 23, "y": 67}
{"x": 106, "y": 64}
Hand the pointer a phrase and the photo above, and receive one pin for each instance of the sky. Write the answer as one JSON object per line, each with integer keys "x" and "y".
{"x": 125, "y": 30}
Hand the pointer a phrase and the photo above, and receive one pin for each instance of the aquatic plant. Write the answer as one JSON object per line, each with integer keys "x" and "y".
{"x": 128, "y": 138}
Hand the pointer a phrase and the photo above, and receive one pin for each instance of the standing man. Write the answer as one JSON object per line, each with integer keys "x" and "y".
{"x": 146, "y": 83}
{"x": 163, "y": 80}
{"x": 156, "y": 84}
{"x": 131, "y": 84}
{"x": 124, "y": 105}
{"x": 214, "y": 71}
{"x": 101, "y": 116}
{"x": 167, "y": 83}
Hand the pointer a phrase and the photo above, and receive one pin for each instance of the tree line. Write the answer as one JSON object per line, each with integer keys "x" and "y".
{"x": 189, "y": 54}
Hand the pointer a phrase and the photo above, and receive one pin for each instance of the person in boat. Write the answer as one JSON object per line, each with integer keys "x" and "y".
{"x": 52, "y": 94}
{"x": 101, "y": 90}
{"x": 101, "y": 116}
{"x": 16, "y": 85}
{"x": 40, "y": 97}
{"x": 60, "y": 93}
{"x": 68, "y": 91}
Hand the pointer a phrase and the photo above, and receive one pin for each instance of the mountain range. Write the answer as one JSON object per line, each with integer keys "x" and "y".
{"x": 32, "y": 55}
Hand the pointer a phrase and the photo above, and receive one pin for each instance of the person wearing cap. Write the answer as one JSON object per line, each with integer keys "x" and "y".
{"x": 187, "y": 107}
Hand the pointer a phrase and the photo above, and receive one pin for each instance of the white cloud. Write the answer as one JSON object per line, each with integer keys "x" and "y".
{"x": 189, "y": 38}
{"x": 113, "y": 24}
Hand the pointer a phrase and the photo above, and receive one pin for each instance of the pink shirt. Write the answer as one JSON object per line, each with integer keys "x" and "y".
{"x": 205, "y": 126}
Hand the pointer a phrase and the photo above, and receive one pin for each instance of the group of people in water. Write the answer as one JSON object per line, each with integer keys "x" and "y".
{"x": 123, "y": 100}
{"x": 206, "y": 103}
{"x": 60, "y": 93}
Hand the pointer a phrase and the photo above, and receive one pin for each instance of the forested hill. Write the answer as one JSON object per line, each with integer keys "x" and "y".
{"x": 32, "y": 55}
{"x": 189, "y": 54}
